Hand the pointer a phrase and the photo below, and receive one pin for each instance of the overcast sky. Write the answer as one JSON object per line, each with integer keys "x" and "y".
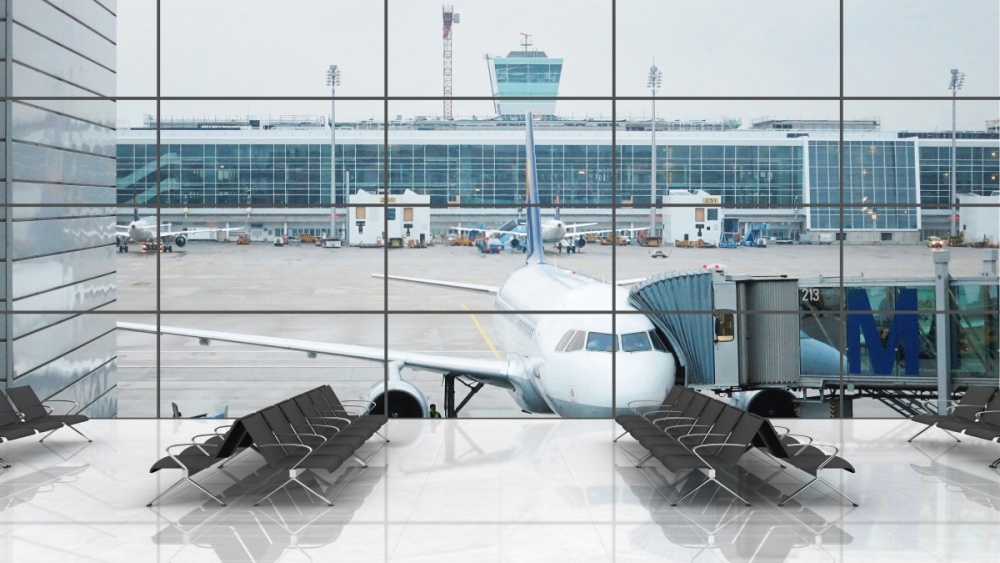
{"x": 705, "y": 48}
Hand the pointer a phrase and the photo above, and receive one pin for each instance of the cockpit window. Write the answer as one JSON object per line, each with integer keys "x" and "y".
{"x": 564, "y": 340}
{"x": 600, "y": 342}
{"x": 577, "y": 342}
{"x": 657, "y": 341}
{"x": 636, "y": 342}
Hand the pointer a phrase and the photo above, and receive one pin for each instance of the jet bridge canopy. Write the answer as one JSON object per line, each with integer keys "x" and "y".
{"x": 680, "y": 305}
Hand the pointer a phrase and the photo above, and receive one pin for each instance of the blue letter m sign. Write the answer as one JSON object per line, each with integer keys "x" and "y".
{"x": 903, "y": 330}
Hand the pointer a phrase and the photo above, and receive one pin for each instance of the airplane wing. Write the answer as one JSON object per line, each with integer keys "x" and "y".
{"x": 168, "y": 233}
{"x": 449, "y": 284}
{"x": 490, "y": 372}
{"x": 578, "y": 225}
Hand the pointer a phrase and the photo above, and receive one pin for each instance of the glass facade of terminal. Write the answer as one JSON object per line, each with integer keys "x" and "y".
{"x": 468, "y": 174}
{"x": 977, "y": 171}
{"x": 878, "y": 188}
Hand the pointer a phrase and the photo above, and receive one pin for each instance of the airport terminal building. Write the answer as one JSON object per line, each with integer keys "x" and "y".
{"x": 895, "y": 184}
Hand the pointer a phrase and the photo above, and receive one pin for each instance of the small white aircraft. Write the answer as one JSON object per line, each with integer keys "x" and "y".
{"x": 144, "y": 230}
{"x": 554, "y": 231}
{"x": 556, "y": 363}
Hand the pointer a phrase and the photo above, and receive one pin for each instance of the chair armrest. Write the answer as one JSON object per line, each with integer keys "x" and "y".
{"x": 75, "y": 404}
{"x": 956, "y": 407}
{"x": 666, "y": 411}
{"x": 313, "y": 426}
{"x": 701, "y": 434}
{"x": 217, "y": 428}
{"x": 187, "y": 445}
{"x": 369, "y": 407}
{"x": 204, "y": 435}
{"x": 676, "y": 426}
{"x": 979, "y": 414}
{"x": 676, "y": 418}
{"x": 300, "y": 434}
{"x": 785, "y": 428}
{"x": 933, "y": 410}
{"x": 810, "y": 440}
{"x": 836, "y": 451}
{"x": 695, "y": 449}
{"x": 283, "y": 445}
{"x": 311, "y": 418}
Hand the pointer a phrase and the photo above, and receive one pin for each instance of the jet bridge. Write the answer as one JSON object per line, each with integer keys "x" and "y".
{"x": 703, "y": 315}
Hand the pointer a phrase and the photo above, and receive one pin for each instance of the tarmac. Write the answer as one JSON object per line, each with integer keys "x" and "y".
{"x": 330, "y": 295}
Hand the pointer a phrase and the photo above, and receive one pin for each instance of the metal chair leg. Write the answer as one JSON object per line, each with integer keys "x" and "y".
{"x": 993, "y": 465}
{"x": 381, "y": 436}
{"x": 49, "y": 434}
{"x": 926, "y": 428}
{"x": 689, "y": 493}
{"x": 620, "y": 435}
{"x": 802, "y": 488}
{"x": 74, "y": 429}
{"x": 4, "y": 463}
{"x": 170, "y": 488}
{"x": 293, "y": 477}
{"x": 836, "y": 490}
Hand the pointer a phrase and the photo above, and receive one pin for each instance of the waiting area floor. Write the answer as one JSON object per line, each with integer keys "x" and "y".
{"x": 499, "y": 490}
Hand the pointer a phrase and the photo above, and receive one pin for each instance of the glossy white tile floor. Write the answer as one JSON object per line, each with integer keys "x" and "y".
{"x": 499, "y": 490}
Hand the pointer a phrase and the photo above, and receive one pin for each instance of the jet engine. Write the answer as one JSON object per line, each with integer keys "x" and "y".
{"x": 180, "y": 241}
{"x": 515, "y": 243}
{"x": 404, "y": 399}
{"x": 581, "y": 242}
{"x": 770, "y": 403}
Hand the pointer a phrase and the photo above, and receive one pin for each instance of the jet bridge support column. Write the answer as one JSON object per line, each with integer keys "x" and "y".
{"x": 942, "y": 327}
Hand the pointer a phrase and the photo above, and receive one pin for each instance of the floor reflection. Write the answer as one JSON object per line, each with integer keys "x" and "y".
{"x": 289, "y": 521}
{"x": 981, "y": 489}
{"x": 713, "y": 521}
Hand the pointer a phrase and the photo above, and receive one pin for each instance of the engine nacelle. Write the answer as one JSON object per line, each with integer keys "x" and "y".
{"x": 769, "y": 403}
{"x": 515, "y": 243}
{"x": 180, "y": 240}
{"x": 581, "y": 242}
{"x": 403, "y": 398}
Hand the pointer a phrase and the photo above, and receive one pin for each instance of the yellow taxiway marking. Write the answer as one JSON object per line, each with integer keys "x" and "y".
{"x": 483, "y": 334}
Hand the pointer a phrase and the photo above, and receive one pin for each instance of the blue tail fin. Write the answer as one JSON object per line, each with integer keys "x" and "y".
{"x": 536, "y": 253}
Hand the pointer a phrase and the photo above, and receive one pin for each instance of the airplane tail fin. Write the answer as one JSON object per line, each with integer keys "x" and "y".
{"x": 536, "y": 252}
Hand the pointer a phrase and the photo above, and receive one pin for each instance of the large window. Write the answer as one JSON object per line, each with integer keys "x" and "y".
{"x": 814, "y": 144}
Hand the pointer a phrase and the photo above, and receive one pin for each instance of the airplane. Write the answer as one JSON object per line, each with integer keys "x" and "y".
{"x": 144, "y": 230}
{"x": 554, "y": 231}
{"x": 555, "y": 364}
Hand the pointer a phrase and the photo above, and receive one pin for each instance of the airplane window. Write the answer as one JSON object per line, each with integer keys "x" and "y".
{"x": 636, "y": 342}
{"x": 657, "y": 341}
{"x": 564, "y": 340}
{"x": 577, "y": 342}
{"x": 599, "y": 342}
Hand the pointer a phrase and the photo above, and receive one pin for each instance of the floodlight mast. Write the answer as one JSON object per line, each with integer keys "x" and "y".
{"x": 957, "y": 80}
{"x": 654, "y": 81}
{"x": 333, "y": 80}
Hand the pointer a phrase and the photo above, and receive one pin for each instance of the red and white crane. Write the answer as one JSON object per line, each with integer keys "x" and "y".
{"x": 449, "y": 16}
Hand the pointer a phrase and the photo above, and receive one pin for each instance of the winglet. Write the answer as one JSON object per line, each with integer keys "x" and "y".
{"x": 536, "y": 252}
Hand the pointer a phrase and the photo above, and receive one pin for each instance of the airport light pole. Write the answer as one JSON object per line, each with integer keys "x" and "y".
{"x": 333, "y": 80}
{"x": 654, "y": 81}
{"x": 957, "y": 79}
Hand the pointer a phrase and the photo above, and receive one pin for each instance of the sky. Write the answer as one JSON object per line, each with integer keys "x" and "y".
{"x": 706, "y": 48}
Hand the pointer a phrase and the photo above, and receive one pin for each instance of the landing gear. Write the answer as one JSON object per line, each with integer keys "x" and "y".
{"x": 450, "y": 410}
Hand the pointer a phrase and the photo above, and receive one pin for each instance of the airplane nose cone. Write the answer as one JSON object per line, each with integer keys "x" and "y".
{"x": 643, "y": 376}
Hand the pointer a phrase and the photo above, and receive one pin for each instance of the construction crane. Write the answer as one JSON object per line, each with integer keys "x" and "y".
{"x": 449, "y": 16}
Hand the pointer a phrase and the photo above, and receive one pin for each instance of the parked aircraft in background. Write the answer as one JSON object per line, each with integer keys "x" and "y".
{"x": 144, "y": 230}
{"x": 556, "y": 363}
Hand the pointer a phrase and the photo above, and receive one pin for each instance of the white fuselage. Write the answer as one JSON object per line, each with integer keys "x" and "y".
{"x": 576, "y": 382}
{"x": 553, "y": 231}
{"x": 143, "y": 230}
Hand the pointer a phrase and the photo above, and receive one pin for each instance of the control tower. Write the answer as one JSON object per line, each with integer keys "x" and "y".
{"x": 525, "y": 73}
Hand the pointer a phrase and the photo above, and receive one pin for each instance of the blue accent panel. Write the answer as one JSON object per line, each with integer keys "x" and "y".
{"x": 903, "y": 330}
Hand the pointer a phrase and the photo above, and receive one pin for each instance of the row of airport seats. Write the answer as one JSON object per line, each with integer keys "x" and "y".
{"x": 691, "y": 431}
{"x": 313, "y": 430}
{"x": 29, "y": 416}
{"x": 977, "y": 414}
